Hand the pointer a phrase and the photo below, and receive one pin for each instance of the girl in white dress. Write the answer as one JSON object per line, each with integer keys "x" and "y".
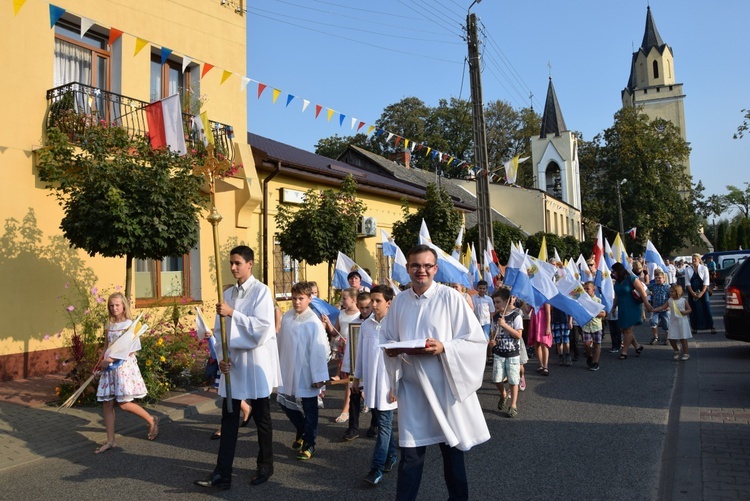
{"x": 122, "y": 383}
{"x": 679, "y": 321}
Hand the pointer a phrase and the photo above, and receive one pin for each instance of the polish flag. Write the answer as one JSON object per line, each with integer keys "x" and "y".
{"x": 165, "y": 124}
{"x": 598, "y": 246}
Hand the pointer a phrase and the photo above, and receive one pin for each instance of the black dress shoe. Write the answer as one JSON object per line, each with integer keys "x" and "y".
{"x": 216, "y": 481}
{"x": 261, "y": 476}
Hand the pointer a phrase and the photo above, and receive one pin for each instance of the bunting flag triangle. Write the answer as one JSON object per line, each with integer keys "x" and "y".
{"x": 361, "y": 124}
{"x": 225, "y": 76}
{"x": 388, "y": 138}
{"x": 17, "y": 4}
{"x": 114, "y": 35}
{"x": 86, "y": 25}
{"x": 406, "y": 143}
{"x": 317, "y": 110}
{"x": 165, "y": 53}
{"x": 55, "y": 13}
{"x": 243, "y": 83}
{"x": 261, "y": 88}
{"x": 276, "y": 94}
{"x": 354, "y": 122}
{"x": 428, "y": 151}
{"x": 185, "y": 62}
{"x": 330, "y": 114}
{"x": 341, "y": 119}
{"x": 398, "y": 140}
{"x": 206, "y": 68}
{"x": 140, "y": 44}
{"x": 289, "y": 99}
{"x": 370, "y": 129}
{"x": 305, "y": 104}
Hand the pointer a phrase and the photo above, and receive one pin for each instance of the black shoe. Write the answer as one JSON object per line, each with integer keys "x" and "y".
{"x": 262, "y": 474}
{"x": 594, "y": 367}
{"x": 589, "y": 361}
{"x": 389, "y": 464}
{"x": 372, "y": 431}
{"x": 215, "y": 481}
{"x": 351, "y": 434}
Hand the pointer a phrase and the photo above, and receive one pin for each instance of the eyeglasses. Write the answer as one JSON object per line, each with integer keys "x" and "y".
{"x": 425, "y": 267}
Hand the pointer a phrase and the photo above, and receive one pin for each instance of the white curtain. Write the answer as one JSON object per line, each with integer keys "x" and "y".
{"x": 72, "y": 64}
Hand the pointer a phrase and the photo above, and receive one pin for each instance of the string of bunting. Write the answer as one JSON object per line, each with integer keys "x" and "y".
{"x": 55, "y": 13}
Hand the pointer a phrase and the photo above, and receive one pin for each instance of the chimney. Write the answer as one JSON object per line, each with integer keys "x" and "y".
{"x": 402, "y": 157}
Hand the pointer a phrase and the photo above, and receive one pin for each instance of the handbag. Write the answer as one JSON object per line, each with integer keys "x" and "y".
{"x": 636, "y": 295}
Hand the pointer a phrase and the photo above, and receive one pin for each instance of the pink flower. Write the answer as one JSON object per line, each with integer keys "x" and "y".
{"x": 57, "y": 356}
{"x": 87, "y": 312}
{"x": 70, "y": 308}
{"x": 94, "y": 291}
{"x": 67, "y": 284}
{"x": 118, "y": 287}
{"x": 46, "y": 338}
{"x": 100, "y": 300}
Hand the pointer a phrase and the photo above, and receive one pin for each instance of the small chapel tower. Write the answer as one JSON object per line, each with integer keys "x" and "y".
{"x": 555, "y": 155}
{"x": 652, "y": 81}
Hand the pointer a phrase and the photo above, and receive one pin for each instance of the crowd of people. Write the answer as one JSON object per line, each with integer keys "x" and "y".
{"x": 422, "y": 351}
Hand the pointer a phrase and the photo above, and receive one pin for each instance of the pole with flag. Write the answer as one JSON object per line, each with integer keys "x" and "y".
{"x": 456, "y": 254}
{"x": 543, "y": 250}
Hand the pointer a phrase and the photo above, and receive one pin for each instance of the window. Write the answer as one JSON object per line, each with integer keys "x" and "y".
{"x": 286, "y": 272}
{"x": 80, "y": 59}
{"x": 169, "y": 278}
{"x": 655, "y": 65}
{"x": 168, "y": 79}
{"x": 384, "y": 265}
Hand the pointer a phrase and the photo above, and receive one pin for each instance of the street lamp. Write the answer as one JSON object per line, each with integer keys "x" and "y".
{"x": 619, "y": 206}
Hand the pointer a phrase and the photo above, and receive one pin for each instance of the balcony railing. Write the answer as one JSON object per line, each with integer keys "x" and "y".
{"x": 74, "y": 107}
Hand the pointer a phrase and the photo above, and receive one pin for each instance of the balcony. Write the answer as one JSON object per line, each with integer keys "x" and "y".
{"x": 74, "y": 107}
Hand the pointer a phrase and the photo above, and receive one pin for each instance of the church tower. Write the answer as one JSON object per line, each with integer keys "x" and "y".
{"x": 555, "y": 155}
{"x": 652, "y": 81}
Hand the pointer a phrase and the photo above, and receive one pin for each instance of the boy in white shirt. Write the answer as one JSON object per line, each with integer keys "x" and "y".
{"x": 483, "y": 308}
{"x": 506, "y": 350}
{"x": 370, "y": 369}
{"x": 303, "y": 354}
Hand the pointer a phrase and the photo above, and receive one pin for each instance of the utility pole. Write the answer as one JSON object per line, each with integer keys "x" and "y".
{"x": 484, "y": 216}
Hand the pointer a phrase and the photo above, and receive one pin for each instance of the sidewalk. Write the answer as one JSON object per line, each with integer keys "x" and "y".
{"x": 31, "y": 428}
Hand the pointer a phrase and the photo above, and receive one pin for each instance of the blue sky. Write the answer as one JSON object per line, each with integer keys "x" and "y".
{"x": 357, "y": 57}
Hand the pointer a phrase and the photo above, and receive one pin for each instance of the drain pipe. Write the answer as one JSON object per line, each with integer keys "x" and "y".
{"x": 266, "y": 181}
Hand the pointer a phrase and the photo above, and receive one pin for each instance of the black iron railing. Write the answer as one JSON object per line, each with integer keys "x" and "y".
{"x": 74, "y": 107}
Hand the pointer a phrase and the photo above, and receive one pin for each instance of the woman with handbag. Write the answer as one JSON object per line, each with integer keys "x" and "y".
{"x": 630, "y": 298}
{"x": 698, "y": 280}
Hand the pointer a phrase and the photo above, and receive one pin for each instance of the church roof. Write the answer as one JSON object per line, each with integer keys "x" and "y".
{"x": 651, "y": 37}
{"x": 552, "y": 119}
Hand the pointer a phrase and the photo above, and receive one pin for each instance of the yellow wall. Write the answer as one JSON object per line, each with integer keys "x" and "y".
{"x": 33, "y": 277}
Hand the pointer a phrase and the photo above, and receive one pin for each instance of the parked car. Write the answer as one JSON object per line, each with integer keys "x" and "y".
{"x": 725, "y": 260}
{"x": 737, "y": 302}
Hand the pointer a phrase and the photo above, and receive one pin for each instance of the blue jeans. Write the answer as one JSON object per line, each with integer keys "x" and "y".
{"x": 486, "y": 330}
{"x": 306, "y": 424}
{"x": 410, "y": 473}
{"x": 385, "y": 443}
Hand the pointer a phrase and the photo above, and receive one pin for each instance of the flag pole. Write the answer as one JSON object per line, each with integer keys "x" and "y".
{"x": 210, "y": 170}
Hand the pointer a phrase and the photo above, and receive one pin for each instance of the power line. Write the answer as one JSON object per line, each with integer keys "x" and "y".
{"x": 429, "y": 19}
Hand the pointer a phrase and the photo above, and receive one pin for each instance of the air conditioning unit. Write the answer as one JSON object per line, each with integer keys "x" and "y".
{"x": 367, "y": 227}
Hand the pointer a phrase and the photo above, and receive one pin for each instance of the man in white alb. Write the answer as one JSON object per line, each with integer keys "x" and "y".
{"x": 435, "y": 387}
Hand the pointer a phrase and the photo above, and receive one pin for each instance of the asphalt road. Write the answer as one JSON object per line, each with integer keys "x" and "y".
{"x": 579, "y": 435}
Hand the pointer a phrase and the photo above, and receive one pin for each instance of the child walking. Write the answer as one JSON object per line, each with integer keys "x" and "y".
{"x": 679, "y": 321}
{"x": 369, "y": 368}
{"x": 506, "y": 350}
{"x": 561, "y": 325}
{"x": 483, "y": 307}
{"x": 592, "y": 331}
{"x": 303, "y": 357}
{"x": 124, "y": 383}
{"x": 659, "y": 296}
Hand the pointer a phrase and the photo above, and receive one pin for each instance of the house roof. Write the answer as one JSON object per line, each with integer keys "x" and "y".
{"x": 552, "y": 119}
{"x": 299, "y": 162}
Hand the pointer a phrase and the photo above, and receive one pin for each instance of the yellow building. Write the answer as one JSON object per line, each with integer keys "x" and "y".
{"x": 88, "y": 57}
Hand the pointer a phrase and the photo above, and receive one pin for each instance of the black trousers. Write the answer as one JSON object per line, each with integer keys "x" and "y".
{"x": 230, "y": 426}
{"x": 410, "y": 473}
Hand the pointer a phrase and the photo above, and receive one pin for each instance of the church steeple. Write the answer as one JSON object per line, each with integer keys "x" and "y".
{"x": 552, "y": 119}
{"x": 651, "y": 37}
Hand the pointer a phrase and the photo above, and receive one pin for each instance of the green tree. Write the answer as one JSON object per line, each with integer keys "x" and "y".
{"x": 323, "y": 225}
{"x": 721, "y": 236}
{"x": 503, "y": 236}
{"x": 742, "y": 129}
{"x": 334, "y": 146}
{"x": 658, "y": 197}
{"x": 442, "y": 219}
{"x": 739, "y": 199}
{"x": 120, "y": 197}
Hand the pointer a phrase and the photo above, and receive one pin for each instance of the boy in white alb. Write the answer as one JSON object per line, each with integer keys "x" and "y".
{"x": 369, "y": 368}
{"x": 303, "y": 355}
{"x": 484, "y": 307}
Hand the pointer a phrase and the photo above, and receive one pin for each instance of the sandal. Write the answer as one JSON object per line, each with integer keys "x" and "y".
{"x": 639, "y": 350}
{"x": 545, "y": 371}
{"x": 106, "y": 446}
{"x": 343, "y": 418}
{"x": 216, "y": 435}
{"x": 622, "y": 356}
{"x": 713, "y": 331}
{"x": 153, "y": 430}
{"x": 540, "y": 369}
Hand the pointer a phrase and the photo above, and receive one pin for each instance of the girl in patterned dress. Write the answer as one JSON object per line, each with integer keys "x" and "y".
{"x": 123, "y": 383}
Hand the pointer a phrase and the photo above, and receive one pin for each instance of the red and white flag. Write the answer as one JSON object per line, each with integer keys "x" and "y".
{"x": 631, "y": 232}
{"x": 598, "y": 245}
{"x": 165, "y": 124}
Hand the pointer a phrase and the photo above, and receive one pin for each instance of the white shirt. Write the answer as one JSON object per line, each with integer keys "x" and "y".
{"x": 672, "y": 274}
{"x": 303, "y": 353}
{"x": 484, "y": 307}
{"x": 369, "y": 367}
{"x": 437, "y": 397}
{"x": 251, "y": 336}
{"x": 702, "y": 272}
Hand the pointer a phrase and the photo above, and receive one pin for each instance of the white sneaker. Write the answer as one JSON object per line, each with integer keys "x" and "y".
{"x": 522, "y": 384}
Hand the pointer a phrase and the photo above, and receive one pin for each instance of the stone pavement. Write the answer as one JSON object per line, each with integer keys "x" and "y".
{"x": 706, "y": 451}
